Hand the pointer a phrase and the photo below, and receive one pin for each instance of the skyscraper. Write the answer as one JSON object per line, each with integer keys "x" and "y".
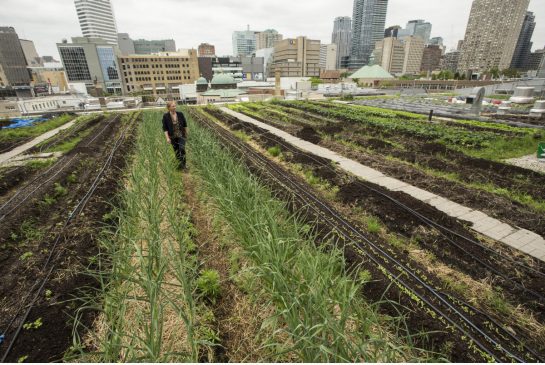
{"x": 96, "y": 19}
{"x": 12, "y": 58}
{"x": 328, "y": 57}
{"x": 418, "y": 28}
{"x": 492, "y": 34}
{"x": 369, "y": 17}
{"x": 267, "y": 39}
{"x": 524, "y": 44}
{"x": 342, "y": 37}
{"x": 244, "y": 42}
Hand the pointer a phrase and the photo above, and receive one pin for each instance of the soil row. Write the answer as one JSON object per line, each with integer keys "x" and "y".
{"x": 417, "y": 319}
{"x": 27, "y": 236}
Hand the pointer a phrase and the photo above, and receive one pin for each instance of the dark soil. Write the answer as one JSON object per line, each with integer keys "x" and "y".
{"x": 77, "y": 246}
{"x": 309, "y": 134}
{"x": 415, "y": 320}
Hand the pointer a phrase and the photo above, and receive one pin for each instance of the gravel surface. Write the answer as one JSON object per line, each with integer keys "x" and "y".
{"x": 528, "y": 162}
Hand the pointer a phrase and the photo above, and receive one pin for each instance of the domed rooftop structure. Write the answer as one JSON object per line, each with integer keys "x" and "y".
{"x": 202, "y": 85}
{"x": 223, "y": 81}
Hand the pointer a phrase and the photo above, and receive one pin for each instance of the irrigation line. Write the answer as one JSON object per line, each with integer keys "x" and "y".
{"x": 418, "y": 215}
{"x": 44, "y": 174}
{"x": 347, "y": 230}
{"x": 75, "y": 212}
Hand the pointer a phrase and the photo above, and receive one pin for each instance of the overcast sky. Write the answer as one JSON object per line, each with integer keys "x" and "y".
{"x": 190, "y": 22}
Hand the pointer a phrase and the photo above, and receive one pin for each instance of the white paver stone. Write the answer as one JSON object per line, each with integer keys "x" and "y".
{"x": 486, "y": 225}
{"x": 500, "y": 232}
{"x": 473, "y": 216}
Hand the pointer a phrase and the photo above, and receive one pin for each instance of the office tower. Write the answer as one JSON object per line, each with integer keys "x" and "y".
{"x": 392, "y": 31}
{"x": 431, "y": 58}
{"x": 389, "y": 53}
{"x": 492, "y": 34}
{"x": 12, "y": 59}
{"x": 267, "y": 39}
{"x": 418, "y": 28}
{"x": 437, "y": 41}
{"x": 92, "y": 61}
{"x": 414, "y": 50}
{"x": 96, "y": 19}
{"x": 450, "y": 61}
{"x": 342, "y": 37}
{"x": 369, "y": 17}
{"x": 31, "y": 55}
{"x": 328, "y": 57}
{"x": 299, "y": 57}
{"x": 244, "y": 42}
{"x": 524, "y": 44}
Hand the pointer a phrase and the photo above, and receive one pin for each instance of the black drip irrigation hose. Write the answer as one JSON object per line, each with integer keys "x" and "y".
{"x": 347, "y": 230}
{"x": 43, "y": 175}
{"x": 75, "y": 212}
{"x": 408, "y": 209}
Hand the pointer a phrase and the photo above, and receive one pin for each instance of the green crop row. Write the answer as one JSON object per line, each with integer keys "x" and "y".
{"x": 147, "y": 269}
{"x": 319, "y": 304}
{"x": 34, "y": 131}
{"x": 487, "y": 144}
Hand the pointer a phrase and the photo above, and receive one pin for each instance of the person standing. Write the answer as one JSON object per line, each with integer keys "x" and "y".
{"x": 175, "y": 128}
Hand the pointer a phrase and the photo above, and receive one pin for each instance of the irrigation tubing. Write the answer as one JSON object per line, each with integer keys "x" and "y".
{"x": 45, "y": 174}
{"x": 413, "y": 212}
{"x": 79, "y": 207}
{"x": 431, "y": 223}
{"x": 347, "y": 230}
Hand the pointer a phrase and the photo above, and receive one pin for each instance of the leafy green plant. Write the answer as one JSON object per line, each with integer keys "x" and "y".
{"x": 373, "y": 225}
{"x": 274, "y": 151}
{"x": 25, "y": 256}
{"x": 208, "y": 284}
{"x": 33, "y": 325}
{"x": 60, "y": 190}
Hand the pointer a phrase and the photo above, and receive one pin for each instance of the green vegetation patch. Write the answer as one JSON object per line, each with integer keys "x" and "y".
{"x": 34, "y": 131}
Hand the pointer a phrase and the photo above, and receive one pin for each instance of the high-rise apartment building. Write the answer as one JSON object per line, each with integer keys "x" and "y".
{"x": 450, "y": 61}
{"x": 436, "y": 41}
{"x": 414, "y": 51}
{"x": 244, "y": 42}
{"x": 92, "y": 61}
{"x": 369, "y": 17}
{"x": 296, "y": 57}
{"x": 267, "y": 39}
{"x": 492, "y": 34}
{"x": 96, "y": 19}
{"x": 392, "y": 31}
{"x": 389, "y": 53}
{"x": 418, "y": 28}
{"x": 328, "y": 57}
{"x": 159, "y": 74}
{"x": 206, "y": 50}
{"x": 524, "y": 44}
{"x": 12, "y": 59}
{"x": 342, "y": 37}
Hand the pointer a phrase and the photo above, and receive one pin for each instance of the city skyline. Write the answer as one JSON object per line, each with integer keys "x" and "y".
{"x": 449, "y": 20}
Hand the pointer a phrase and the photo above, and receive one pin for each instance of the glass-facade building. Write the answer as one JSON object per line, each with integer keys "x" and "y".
{"x": 368, "y": 20}
{"x": 91, "y": 61}
{"x": 342, "y": 37}
{"x": 75, "y": 63}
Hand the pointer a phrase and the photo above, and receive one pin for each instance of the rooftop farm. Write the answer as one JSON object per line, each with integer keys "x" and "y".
{"x": 263, "y": 252}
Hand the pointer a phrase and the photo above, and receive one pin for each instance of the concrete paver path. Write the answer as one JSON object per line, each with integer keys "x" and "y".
{"x": 520, "y": 239}
{"x": 22, "y": 148}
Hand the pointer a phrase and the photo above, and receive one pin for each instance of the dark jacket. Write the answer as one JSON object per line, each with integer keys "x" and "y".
{"x": 169, "y": 127}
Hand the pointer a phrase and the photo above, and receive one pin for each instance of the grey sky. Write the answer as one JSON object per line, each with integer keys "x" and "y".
{"x": 190, "y": 22}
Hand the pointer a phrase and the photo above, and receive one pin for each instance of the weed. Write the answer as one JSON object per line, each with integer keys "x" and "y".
{"x": 26, "y": 256}
{"x": 48, "y": 294}
{"x": 29, "y": 231}
{"x": 40, "y": 163}
{"x": 364, "y": 276}
{"x": 48, "y": 200}
{"x": 274, "y": 151}
{"x": 373, "y": 225}
{"x": 72, "y": 178}
{"x": 241, "y": 135}
{"x": 33, "y": 325}
{"x": 208, "y": 284}
{"x": 22, "y": 359}
{"x": 60, "y": 190}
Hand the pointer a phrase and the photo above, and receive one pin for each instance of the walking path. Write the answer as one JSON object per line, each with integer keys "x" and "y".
{"x": 22, "y": 148}
{"x": 520, "y": 239}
